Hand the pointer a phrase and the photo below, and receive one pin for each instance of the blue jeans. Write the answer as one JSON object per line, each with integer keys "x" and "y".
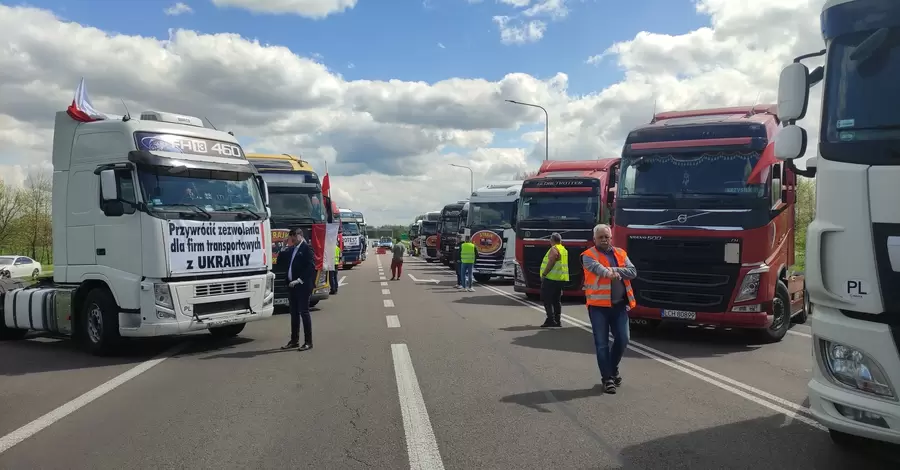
{"x": 606, "y": 320}
{"x": 466, "y": 274}
{"x": 459, "y": 273}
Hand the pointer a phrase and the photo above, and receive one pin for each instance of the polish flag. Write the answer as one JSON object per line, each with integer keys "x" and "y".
{"x": 82, "y": 109}
{"x": 326, "y": 183}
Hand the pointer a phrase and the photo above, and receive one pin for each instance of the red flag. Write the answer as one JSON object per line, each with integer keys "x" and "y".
{"x": 326, "y": 186}
{"x": 766, "y": 160}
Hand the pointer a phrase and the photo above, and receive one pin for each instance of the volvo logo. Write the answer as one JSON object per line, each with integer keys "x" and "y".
{"x": 682, "y": 218}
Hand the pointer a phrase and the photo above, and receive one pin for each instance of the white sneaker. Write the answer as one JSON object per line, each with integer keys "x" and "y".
{"x": 471, "y": 289}
{"x": 459, "y": 286}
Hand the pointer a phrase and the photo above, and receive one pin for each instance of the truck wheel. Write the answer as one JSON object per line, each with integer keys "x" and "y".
{"x": 533, "y": 297}
{"x": 313, "y": 303}
{"x": 99, "y": 323}
{"x": 348, "y": 267}
{"x": 228, "y": 331}
{"x": 11, "y": 334}
{"x": 781, "y": 312}
{"x": 482, "y": 277}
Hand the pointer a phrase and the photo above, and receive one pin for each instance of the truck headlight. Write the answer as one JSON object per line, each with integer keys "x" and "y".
{"x": 162, "y": 295}
{"x": 749, "y": 288}
{"x": 270, "y": 283}
{"x": 854, "y": 368}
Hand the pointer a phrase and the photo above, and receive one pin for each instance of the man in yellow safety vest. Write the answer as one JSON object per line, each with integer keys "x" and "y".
{"x": 467, "y": 263}
{"x": 554, "y": 276}
{"x": 607, "y": 290}
{"x": 333, "y": 275}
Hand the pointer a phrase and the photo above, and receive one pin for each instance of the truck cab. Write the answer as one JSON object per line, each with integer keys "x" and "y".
{"x": 354, "y": 240}
{"x": 176, "y": 239}
{"x": 568, "y": 197}
{"x": 295, "y": 201}
{"x": 491, "y": 222}
{"x": 706, "y": 214}
{"x": 450, "y": 228}
{"x": 853, "y": 244}
{"x": 429, "y": 236}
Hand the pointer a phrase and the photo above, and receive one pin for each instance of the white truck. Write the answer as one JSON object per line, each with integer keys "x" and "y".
{"x": 853, "y": 245}
{"x": 160, "y": 227}
{"x": 492, "y": 226}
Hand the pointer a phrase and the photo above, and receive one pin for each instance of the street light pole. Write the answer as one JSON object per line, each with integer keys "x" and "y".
{"x": 546, "y": 125}
{"x": 471, "y": 177}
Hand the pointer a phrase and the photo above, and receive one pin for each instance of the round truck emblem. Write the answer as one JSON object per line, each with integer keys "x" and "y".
{"x": 487, "y": 242}
{"x": 431, "y": 241}
{"x": 682, "y": 218}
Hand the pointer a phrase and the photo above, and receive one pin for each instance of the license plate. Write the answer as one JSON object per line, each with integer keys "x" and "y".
{"x": 282, "y": 301}
{"x": 227, "y": 321}
{"x": 679, "y": 314}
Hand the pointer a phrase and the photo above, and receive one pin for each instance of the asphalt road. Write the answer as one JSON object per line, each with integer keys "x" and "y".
{"x": 415, "y": 374}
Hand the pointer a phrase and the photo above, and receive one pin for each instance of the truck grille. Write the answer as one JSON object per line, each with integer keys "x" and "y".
{"x": 222, "y": 288}
{"x": 432, "y": 252}
{"x": 534, "y": 256}
{"x": 683, "y": 273}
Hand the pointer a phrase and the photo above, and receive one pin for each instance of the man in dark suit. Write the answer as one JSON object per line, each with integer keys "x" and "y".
{"x": 301, "y": 272}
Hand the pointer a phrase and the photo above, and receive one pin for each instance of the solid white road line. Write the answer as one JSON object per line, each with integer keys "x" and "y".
{"x": 775, "y": 403}
{"x": 384, "y": 283}
{"x": 799, "y": 333}
{"x": 420, "y": 442}
{"x": 393, "y": 321}
{"x": 388, "y": 303}
{"x": 385, "y": 292}
{"x": 382, "y": 278}
{"x": 32, "y": 428}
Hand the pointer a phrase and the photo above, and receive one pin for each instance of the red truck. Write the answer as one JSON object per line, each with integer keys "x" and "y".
{"x": 569, "y": 197}
{"x": 706, "y": 214}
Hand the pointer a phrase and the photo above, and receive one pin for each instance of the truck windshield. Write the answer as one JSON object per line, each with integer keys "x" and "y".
{"x": 491, "y": 214}
{"x": 350, "y": 228}
{"x": 861, "y": 98}
{"x": 205, "y": 190}
{"x": 450, "y": 224}
{"x": 560, "y": 206}
{"x": 692, "y": 175}
{"x": 428, "y": 228}
{"x": 296, "y": 203}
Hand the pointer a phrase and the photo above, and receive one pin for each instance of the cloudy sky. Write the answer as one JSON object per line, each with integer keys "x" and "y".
{"x": 390, "y": 92}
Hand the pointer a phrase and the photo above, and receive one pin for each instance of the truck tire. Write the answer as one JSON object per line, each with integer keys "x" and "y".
{"x": 781, "y": 311}
{"x": 313, "y": 303}
{"x": 348, "y": 266}
{"x": 803, "y": 316}
{"x": 98, "y": 324}
{"x": 533, "y": 297}
{"x": 228, "y": 331}
{"x": 482, "y": 277}
{"x": 11, "y": 334}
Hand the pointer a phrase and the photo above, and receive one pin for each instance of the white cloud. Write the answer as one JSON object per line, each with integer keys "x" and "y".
{"x": 178, "y": 9}
{"x": 307, "y": 8}
{"x": 388, "y": 143}
{"x": 513, "y": 31}
{"x": 515, "y": 3}
{"x": 555, "y": 9}
{"x": 441, "y": 45}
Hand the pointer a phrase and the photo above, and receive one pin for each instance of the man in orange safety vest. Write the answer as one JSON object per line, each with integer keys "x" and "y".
{"x": 607, "y": 289}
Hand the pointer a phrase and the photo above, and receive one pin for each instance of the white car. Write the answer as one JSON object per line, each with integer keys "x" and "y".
{"x": 18, "y": 267}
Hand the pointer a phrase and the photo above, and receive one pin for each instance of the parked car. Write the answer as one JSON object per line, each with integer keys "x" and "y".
{"x": 17, "y": 267}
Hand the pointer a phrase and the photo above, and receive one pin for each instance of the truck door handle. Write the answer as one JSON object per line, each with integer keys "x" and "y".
{"x": 815, "y": 262}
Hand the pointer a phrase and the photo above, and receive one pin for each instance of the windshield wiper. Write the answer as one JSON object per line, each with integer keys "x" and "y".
{"x": 711, "y": 193}
{"x": 197, "y": 209}
{"x": 242, "y": 208}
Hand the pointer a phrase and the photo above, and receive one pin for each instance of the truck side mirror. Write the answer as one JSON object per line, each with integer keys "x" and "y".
{"x": 109, "y": 188}
{"x": 793, "y": 92}
{"x": 790, "y": 143}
